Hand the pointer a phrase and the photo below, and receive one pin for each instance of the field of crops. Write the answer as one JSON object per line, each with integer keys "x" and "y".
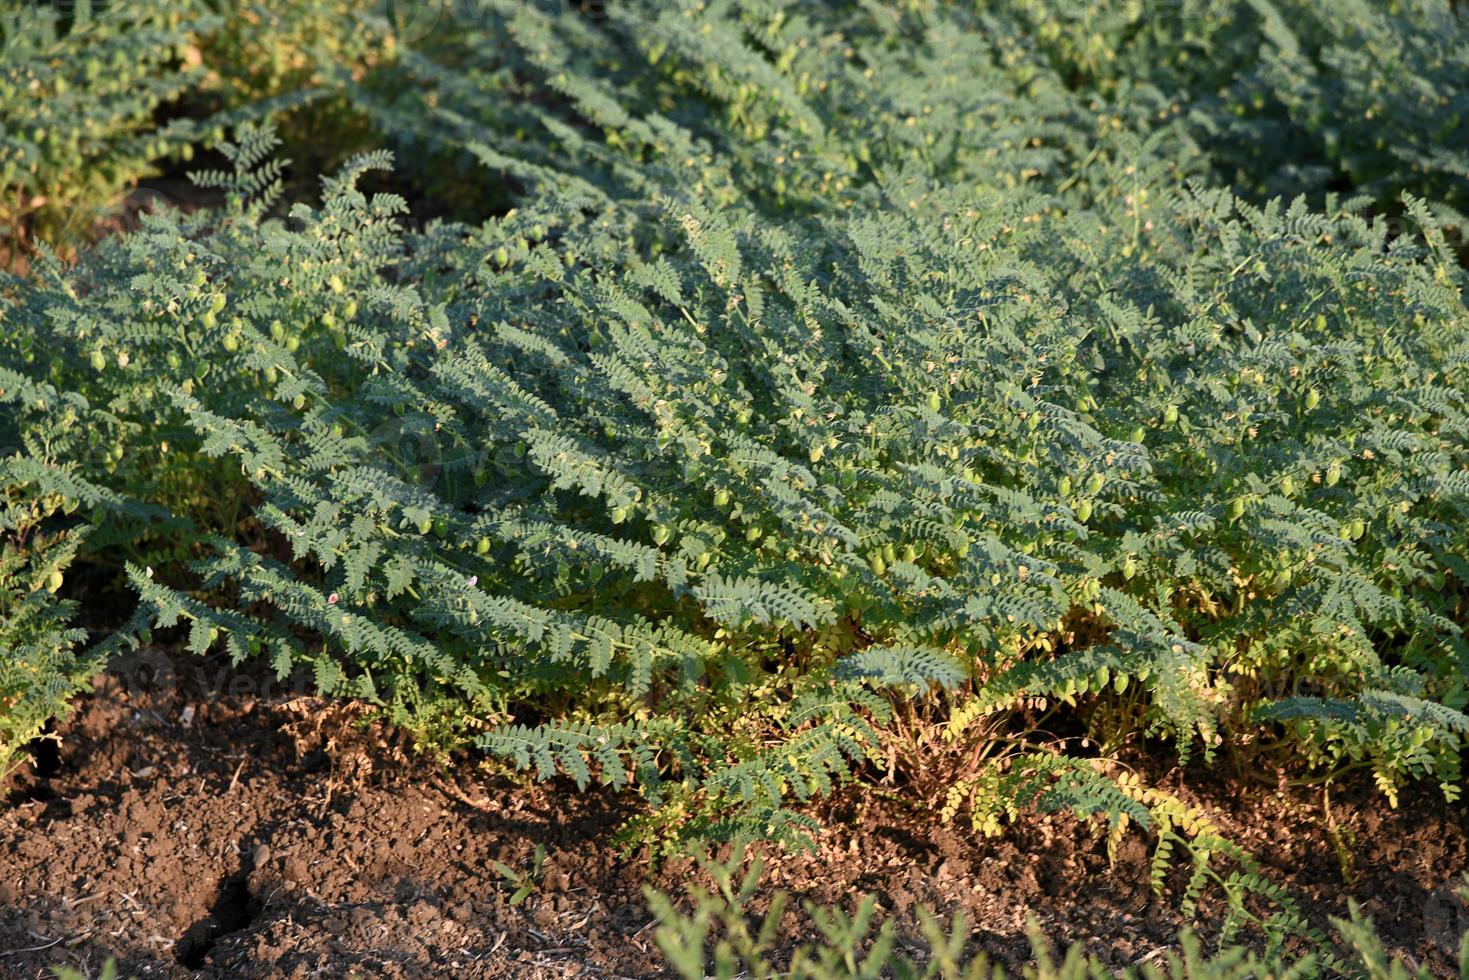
{"x": 861, "y": 488}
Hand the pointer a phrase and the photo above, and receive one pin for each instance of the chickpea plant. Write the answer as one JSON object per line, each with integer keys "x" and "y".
{"x": 811, "y": 418}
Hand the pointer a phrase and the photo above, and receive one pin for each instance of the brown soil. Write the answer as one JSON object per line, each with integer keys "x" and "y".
{"x": 249, "y": 833}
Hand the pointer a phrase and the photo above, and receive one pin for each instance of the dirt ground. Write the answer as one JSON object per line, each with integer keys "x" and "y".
{"x": 196, "y": 822}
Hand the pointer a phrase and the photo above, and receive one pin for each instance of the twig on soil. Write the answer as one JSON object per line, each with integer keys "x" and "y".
{"x": 31, "y": 949}
{"x": 331, "y": 788}
{"x": 235, "y": 779}
{"x": 1159, "y": 951}
{"x": 454, "y": 792}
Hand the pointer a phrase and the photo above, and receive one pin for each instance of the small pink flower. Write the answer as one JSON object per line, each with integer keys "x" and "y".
{"x": 473, "y": 581}
{"x": 332, "y": 598}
